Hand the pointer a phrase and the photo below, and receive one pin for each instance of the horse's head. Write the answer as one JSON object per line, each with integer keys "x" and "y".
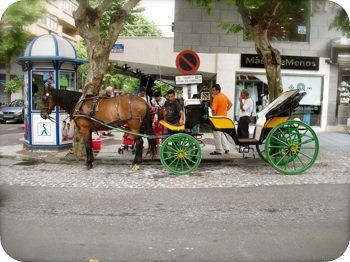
{"x": 47, "y": 103}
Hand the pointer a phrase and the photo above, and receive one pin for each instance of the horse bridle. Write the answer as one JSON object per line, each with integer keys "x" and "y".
{"x": 46, "y": 109}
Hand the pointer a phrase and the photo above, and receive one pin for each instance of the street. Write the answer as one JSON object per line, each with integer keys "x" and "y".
{"x": 10, "y": 133}
{"x": 225, "y": 211}
{"x": 277, "y": 223}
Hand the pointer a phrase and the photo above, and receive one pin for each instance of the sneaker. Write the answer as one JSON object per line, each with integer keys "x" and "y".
{"x": 215, "y": 153}
{"x": 226, "y": 151}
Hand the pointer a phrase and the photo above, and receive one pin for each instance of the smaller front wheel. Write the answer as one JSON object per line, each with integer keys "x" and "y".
{"x": 180, "y": 154}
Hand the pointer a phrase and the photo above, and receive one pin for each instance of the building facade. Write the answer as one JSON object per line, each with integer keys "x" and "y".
{"x": 315, "y": 59}
{"x": 58, "y": 20}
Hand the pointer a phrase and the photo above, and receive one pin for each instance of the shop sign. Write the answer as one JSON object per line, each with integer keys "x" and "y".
{"x": 288, "y": 62}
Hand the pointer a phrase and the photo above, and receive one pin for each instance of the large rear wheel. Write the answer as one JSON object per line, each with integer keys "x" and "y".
{"x": 180, "y": 154}
{"x": 260, "y": 148}
{"x": 291, "y": 147}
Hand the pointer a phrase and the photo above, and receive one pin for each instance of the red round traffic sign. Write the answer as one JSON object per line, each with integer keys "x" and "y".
{"x": 187, "y": 62}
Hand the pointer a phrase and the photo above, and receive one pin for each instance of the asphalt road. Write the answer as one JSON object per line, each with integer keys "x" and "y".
{"x": 10, "y": 133}
{"x": 272, "y": 223}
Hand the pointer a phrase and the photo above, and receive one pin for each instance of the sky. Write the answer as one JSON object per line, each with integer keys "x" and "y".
{"x": 161, "y": 12}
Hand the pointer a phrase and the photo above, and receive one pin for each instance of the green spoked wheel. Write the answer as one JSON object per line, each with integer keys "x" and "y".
{"x": 180, "y": 154}
{"x": 292, "y": 147}
{"x": 260, "y": 148}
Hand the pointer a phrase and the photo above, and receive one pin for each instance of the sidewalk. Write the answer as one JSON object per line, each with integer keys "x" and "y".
{"x": 109, "y": 152}
{"x": 330, "y": 142}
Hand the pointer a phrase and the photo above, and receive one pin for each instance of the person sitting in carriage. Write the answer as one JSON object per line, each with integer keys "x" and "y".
{"x": 172, "y": 111}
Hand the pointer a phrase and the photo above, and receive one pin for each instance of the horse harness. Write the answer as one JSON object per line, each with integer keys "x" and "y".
{"x": 95, "y": 102}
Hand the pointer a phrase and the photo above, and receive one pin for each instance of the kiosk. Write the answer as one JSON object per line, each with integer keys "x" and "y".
{"x": 48, "y": 59}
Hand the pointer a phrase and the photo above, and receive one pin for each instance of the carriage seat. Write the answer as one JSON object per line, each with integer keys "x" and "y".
{"x": 172, "y": 127}
{"x": 277, "y": 111}
{"x": 220, "y": 122}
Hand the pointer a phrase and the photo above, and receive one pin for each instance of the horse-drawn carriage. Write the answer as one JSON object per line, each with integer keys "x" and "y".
{"x": 289, "y": 146}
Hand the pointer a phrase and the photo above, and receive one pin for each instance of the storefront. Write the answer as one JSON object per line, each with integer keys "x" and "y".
{"x": 307, "y": 74}
{"x": 340, "y": 57}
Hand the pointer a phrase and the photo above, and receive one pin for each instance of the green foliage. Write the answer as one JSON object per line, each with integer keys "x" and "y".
{"x": 108, "y": 16}
{"x": 13, "y": 85}
{"x": 141, "y": 27}
{"x": 137, "y": 25}
{"x": 341, "y": 23}
{"x": 162, "y": 87}
{"x": 231, "y": 28}
{"x": 254, "y": 10}
{"x": 83, "y": 69}
{"x": 13, "y": 39}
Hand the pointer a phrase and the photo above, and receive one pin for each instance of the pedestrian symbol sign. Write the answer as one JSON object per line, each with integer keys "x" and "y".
{"x": 44, "y": 129}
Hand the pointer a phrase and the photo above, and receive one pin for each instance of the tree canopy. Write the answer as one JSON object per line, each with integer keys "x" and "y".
{"x": 13, "y": 37}
{"x": 262, "y": 20}
{"x": 99, "y": 23}
{"x": 135, "y": 25}
{"x": 341, "y": 22}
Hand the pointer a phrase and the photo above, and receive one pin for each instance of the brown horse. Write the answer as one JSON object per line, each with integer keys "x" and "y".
{"x": 114, "y": 111}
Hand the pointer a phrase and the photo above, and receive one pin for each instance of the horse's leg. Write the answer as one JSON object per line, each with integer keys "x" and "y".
{"x": 138, "y": 154}
{"x": 87, "y": 137}
{"x": 89, "y": 152}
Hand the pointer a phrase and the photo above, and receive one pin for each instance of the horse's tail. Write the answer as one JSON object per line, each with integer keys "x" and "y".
{"x": 147, "y": 129}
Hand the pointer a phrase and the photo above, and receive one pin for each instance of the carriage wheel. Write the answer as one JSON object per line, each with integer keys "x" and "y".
{"x": 279, "y": 135}
{"x": 292, "y": 147}
{"x": 260, "y": 148}
{"x": 180, "y": 154}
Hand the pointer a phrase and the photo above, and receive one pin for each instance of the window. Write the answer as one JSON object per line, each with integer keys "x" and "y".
{"x": 309, "y": 109}
{"x": 69, "y": 6}
{"x": 67, "y": 80}
{"x": 291, "y": 22}
{"x": 39, "y": 79}
{"x": 50, "y": 21}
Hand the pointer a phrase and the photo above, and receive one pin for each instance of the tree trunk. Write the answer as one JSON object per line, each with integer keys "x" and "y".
{"x": 272, "y": 61}
{"x": 87, "y": 21}
{"x": 258, "y": 24}
{"x": 98, "y": 63}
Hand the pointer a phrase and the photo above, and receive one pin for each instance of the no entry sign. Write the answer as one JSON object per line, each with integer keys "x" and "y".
{"x": 187, "y": 62}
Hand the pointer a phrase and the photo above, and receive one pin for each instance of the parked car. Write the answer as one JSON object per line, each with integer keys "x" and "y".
{"x": 12, "y": 112}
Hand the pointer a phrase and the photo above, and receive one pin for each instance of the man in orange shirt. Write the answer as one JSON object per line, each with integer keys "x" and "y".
{"x": 220, "y": 105}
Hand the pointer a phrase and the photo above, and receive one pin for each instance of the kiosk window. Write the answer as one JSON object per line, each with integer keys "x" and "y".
{"x": 39, "y": 79}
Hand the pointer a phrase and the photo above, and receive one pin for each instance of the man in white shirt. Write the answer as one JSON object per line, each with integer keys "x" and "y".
{"x": 246, "y": 108}
{"x": 144, "y": 96}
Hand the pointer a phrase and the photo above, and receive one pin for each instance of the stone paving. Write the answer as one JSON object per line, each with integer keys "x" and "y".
{"x": 112, "y": 170}
{"x": 332, "y": 167}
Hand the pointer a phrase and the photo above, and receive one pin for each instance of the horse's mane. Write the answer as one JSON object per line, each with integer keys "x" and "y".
{"x": 66, "y": 99}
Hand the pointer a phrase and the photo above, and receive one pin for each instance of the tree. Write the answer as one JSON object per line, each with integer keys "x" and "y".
{"x": 99, "y": 23}
{"x": 13, "y": 38}
{"x": 341, "y": 22}
{"x": 257, "y": 18}
{"x": 135, "y": 25}
{"x": 13, "y": 85}
{"x": 140, "y": 26}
